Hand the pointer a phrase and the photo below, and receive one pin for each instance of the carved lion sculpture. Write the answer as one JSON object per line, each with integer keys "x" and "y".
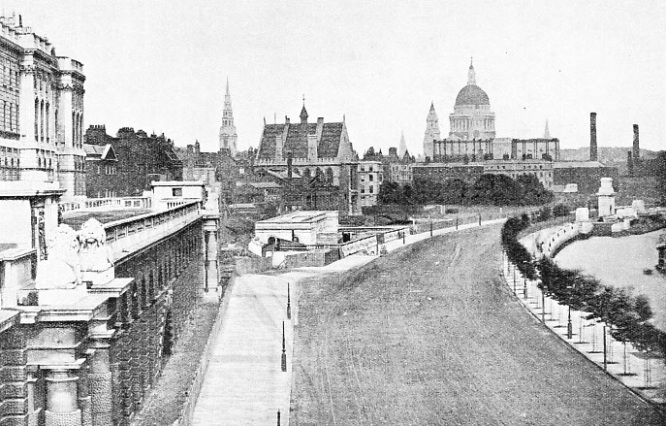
{"x": 95, "y": 255}
{"x": 62, "y": 269}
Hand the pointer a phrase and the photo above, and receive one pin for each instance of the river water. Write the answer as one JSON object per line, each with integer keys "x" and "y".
{"x": 620, "y": 262}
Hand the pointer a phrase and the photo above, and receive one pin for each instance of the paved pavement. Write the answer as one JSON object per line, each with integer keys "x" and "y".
{"x": 244, "y": 384}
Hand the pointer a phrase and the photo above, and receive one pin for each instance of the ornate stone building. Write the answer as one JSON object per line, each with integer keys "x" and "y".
{"x": 41, "y": 115}
{"x": 472, "y": 118}
{"x": 432, "y": 132}
{"x": 228, "y": 136}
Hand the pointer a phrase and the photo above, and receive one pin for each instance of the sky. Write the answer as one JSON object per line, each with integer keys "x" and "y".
{"x": 162, "y": 65}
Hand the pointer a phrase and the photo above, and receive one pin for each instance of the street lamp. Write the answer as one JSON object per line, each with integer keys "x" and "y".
{"x": 514, "y": 279}
{"x": 569, "y": 326}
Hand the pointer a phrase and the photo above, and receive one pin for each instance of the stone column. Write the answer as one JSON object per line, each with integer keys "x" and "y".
{"x": 210, "y": 255}
{"x": 84, "y": 399}
{"x": 61, "y": 398}
{"x": 101, "y": 384}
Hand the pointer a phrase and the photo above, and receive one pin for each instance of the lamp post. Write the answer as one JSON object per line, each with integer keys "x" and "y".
{"x": 288, "y": 302}
{"x": 569, "y": 325}
{"x": 514, "y": 279}
{"x": 284, "y": 353}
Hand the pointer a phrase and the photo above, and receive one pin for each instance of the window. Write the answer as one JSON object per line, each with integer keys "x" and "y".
{"x": 177, "y": 192}
{"x": 371, "y": 190}
{"x": 370, "y": 177}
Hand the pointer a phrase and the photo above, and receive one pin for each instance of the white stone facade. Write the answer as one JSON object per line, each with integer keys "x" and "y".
{"x": 41, "y": 115}
{"x": 472, "y": 118}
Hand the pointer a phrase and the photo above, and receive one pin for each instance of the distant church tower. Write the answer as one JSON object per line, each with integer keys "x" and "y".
{"x": 546, "y": 132}
{"x": 402, "y": 148}
{"x": 431, "y": 133}
{"x": 228, "y": 136}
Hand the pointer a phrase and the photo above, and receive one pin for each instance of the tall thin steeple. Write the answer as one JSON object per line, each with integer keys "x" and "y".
{"x": 431, "y": 133}
{"x": 546, "y": 132}
{"x": 471, "y": 75}
{"x": 304, "y": 113}
{"x": 228, "y": 136}
{"x": 402, "y": 148}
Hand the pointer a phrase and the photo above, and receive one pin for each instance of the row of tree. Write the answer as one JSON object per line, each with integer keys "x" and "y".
{"x": 498, "y": 190}
{"x": 627, "y": 315}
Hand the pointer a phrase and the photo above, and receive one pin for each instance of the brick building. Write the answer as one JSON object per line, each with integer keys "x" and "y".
{"x": 370, "y": 175}
{"x": 141, "y": 159}
{"x": 585, "y": 174}
{"x": 440, "y": 172}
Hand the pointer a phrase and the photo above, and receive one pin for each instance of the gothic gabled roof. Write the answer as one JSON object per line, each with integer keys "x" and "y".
{"x": 297, "y": 140}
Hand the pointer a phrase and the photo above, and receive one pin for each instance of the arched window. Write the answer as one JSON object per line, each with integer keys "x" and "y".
{"x": 48, "y": 127}
{"x": 41, "y": 121}
{"x": 36, "y": 118}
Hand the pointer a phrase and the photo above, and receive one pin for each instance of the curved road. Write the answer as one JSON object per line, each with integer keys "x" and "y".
{"x": 430, "y": 335}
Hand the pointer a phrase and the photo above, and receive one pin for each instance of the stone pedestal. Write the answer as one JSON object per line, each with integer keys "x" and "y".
{"x": 98, "y": 277}
{"x": 61, "y": 398}
{"x": 606, "y": 196}
{"x": 582, "y": 214}
{"x": 61, "y": 296}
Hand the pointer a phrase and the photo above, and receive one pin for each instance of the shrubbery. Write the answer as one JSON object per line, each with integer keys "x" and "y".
{"x": 627, "y": 315}
{"x": 560, "y": 210}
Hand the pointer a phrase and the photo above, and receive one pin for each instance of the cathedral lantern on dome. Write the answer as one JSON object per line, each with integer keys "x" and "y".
{"x": 472, "y": 118}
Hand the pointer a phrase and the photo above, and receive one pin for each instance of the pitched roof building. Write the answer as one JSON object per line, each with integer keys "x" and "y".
{"x": 317, "y": 149}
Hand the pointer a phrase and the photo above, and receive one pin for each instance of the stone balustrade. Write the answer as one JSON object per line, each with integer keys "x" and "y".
{"x": 126, "y": 236}
{"x": 105, "y": 203}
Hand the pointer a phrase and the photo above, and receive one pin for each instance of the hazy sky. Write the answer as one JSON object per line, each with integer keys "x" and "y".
{"x": 162, "y": 65}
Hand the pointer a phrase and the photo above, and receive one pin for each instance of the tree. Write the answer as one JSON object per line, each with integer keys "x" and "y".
{"x": 454, "y": 191}
{"x": 560, "y": 210}
{"x": 389, "y": 193}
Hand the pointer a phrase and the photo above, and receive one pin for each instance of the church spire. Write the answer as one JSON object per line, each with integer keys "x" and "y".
{"x": 402, "y": 148}
{"x": 432, "y": 114}
{"x": 228, "y": 136}
{"x": 546, "y": 132}
{"x": 304, "y": 112}
{"x": 471, "y": 75}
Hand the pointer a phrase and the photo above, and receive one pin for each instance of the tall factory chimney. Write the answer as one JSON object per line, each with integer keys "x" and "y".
{"x": 593, "y": 136}
{"x": 637, "y": 146}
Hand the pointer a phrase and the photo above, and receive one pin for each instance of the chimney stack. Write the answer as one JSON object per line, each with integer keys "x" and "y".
{"x": 637, "y": 146}
{"x": 593, "y": 136}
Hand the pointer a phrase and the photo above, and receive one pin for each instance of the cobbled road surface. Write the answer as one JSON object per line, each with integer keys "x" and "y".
{"x": 429, "y": 335}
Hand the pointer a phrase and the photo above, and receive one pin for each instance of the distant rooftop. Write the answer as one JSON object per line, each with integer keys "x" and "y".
{"x": 297, "y": 217}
